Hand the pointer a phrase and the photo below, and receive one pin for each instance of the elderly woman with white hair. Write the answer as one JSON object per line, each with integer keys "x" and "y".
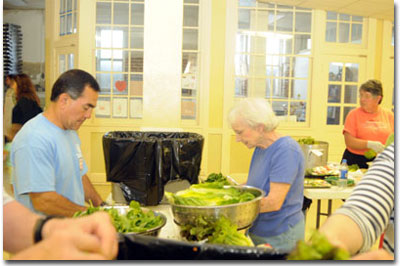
{"x": 277, "y": 167}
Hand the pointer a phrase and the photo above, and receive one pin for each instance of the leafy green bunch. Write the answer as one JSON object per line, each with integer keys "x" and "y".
{"x": 220, "y": 178}
{"x": 208, "y": 194}
{"x": 317, "y": 248}
{"x": 222, "y": 231}
{"x": 134, "y": 221}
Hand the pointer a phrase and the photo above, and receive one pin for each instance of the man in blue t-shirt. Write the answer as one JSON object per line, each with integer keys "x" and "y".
{"x": 277, "y": 167}
{"x": 49, "y": 171}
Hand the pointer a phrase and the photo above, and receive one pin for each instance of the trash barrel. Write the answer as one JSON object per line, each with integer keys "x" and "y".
{"x": 143, "y": 162}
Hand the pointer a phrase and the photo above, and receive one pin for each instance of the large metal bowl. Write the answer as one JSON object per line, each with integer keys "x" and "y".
{"x": 123, "y": 209}
{"x": 242, "y": 214}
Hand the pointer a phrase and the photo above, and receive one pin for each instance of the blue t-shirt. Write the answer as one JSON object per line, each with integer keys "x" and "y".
{"x": 282, "y": 162}
{"x": 47, "y": 158}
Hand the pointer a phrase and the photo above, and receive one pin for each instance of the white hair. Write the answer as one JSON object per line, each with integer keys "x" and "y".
{"x": 254, "y": 111}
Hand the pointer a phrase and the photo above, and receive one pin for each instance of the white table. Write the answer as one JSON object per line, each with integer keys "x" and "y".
{"x": 329, "y": 194}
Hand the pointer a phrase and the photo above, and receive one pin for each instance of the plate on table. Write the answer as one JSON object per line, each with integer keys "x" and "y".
{"x": 316, "y": 183}
{"x": 322, "y": 171}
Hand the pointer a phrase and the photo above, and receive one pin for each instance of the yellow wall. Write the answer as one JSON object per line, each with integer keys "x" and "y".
{"x": 221, "y": 152}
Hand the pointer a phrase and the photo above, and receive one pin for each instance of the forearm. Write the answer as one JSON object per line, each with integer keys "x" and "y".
{"x": 275, "y": 198}
{"x": 342, "y": 231}
{"x": 52, "y": 203}
{"x": 17, "y": 235}
{"x": 90, "y": 192}
{"x": 355, "y": 143}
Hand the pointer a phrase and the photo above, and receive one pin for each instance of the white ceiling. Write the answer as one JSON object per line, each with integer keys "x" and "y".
{"x": 382, "y": 9}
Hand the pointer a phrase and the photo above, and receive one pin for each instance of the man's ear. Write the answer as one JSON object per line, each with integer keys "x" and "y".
{"x": 63, "y": 99}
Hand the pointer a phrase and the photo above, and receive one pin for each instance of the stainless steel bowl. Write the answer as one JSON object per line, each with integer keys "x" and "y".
{"x": 242, "y": 214}
{"x": 123, "y": 209}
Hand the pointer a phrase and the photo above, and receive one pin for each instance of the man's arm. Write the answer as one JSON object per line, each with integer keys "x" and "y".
{"x": 18, "y": 224}
{"x": 90, "y": 192}
{"x": 52, "y": 203}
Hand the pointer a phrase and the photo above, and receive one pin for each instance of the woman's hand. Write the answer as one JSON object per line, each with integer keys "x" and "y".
{"x": 379, "y": 254}
{"x": 376, "y": 146}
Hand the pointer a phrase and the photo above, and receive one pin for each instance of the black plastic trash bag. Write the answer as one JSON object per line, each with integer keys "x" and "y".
{"x": 143, "y": 162}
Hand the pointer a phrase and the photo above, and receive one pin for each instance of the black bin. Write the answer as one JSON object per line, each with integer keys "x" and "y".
{"x": 143, "y": 162}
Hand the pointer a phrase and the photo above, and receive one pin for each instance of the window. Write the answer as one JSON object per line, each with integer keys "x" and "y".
{"x": 272, "y": 56}
{"x": 343, "y": 82}
{"x": 343, "y": 28}
{"x": 68, "y": 15}
{"x": 190, "y": 60}
{"x": 119, "y": 58}
{"x": 65, "y": 62}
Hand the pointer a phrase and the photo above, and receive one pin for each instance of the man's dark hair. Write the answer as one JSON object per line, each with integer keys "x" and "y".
{"x": 374, "y": 87}
{"x": 73, "y": 82}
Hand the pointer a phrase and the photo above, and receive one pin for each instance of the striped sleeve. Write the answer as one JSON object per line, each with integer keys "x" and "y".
{"x": 371, "y": 204}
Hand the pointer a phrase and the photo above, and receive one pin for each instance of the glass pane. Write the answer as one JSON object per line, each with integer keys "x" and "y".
{"x": 188, "y": 92}
{"x": 280, "y": 108}
{"x": 344, "y": 17}
{"x": 103, "y": 60}
{"x": 247, "y": 2}
{"x": 334, "y": 93}
{"x": 346, "y": 111}
{"x": 285, "y": 23}
{"x": 103, "y": 107}
{"x": 351, "y": 72}
{"x": 284, "y": 7}
{"x": 104, "y": 81}
{"x": 120, "y": 84}
{"x": 74, "y": 30}
{"x": 271, "y": 21}
{"x": 303, "y": 22}
{"x": 333, "y": 117}
{"x": 263, "y": 17}
{"x": 330, "y": 32}
{"x": 242, "y": 65}
{"x": 356, "y": 33}
{"x": 137, "y": 14}
{"x": 188, "y": 109}
{"x": 120, "y": 61}
{"x": 191, "y": 16}
{"x": 137, "y": 38}
{"x": 189, "y": 83}
{"x": 357, "y": 18}
{"x": 70, "y": 61}
{"x": 243, "y": 43}
{"x": 103, "y": 37}
{"x": 244, "y": 19}
{"x": 189, "y": 63}
{"x": 75, "y": 5}
{"x": 335, "y": 71}
{"x": 136, "y": 108}
{"x": 302, "y": 44}
{"x": 331, "y": 15}
{"x": 350, "y": 94}
{"x": 298, "y": 109}
{"x": 299, "y": 89}
{"x": 300, "y": 67}
{"x": 62, "y": 25}
{"x": 265, "y": 5}
{"x": 136, "y": 61}
{"x": 69, "y": 5}
{"x": 344, "y": 30}
{"x": 120, "y": 107}
{"x": 62, "y": 6}
{"x": 69, "y": 23}
{"x": 241, "y": 86}
{"x": 61, "y": 64}
{"x": 190, "y": 1}
{"x": 281, "y": 90}
{"x": 136, "y": 85}
{"x": 268, "y": 88}
{"x": 190, "y": 39}
{"x": 103, "y": 13}
{"x": 120, "y": 37}
{"x": 279, "y": 44}
{"x": 121, "y": 13}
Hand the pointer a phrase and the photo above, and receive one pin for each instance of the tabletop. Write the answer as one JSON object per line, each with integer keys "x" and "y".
{"x": 333, "y": 192}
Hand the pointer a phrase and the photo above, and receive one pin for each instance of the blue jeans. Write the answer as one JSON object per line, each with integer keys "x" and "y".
{"x": 285, "y": 242}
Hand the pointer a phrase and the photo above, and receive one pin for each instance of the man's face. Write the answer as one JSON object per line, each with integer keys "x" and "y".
{"x": 77, "y": 111}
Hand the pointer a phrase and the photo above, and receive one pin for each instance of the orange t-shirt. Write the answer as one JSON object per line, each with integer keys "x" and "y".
{"x": 367, "y": 126}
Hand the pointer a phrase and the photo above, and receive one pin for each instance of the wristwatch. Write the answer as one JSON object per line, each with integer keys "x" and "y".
{"x": 37, "y": 231}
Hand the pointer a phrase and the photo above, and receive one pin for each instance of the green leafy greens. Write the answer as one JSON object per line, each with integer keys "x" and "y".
{"x": 134, "y": 221}
{"x": 208, "y": 194}
{"x": 221, "y": 231}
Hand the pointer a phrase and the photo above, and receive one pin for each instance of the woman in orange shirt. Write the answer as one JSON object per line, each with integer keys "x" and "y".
{"x": 368, "y": 126}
